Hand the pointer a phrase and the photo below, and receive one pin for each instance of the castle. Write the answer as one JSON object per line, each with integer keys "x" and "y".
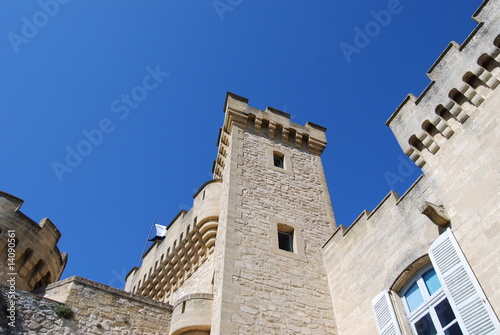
{"x": 259, "y": 252}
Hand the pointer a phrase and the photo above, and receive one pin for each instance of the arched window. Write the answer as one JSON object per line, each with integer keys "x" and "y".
{"x": 427, "y": 306}
{"x": 442, "y": 298}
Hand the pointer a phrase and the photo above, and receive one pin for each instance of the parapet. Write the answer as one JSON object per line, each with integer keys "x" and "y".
{"x": 101, "y": 309}
{"x": 190, "y": 240}
{"x": 36, "y": 258}
{"x": 462, "y": 78}
{"x": 390, "y": 204}
{"x": 271, "y": 123}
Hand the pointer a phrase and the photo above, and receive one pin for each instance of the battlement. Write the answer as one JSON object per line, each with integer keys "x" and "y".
{"x": 387, "y": 228}
{"x": 50, "y": 231}
{"x": 38, "y": 260}
{"x": 271, "y": 123}
{"x": 389, "y": 204}
{"x": 462, "y": 78}
{"x": 189, "y": 242}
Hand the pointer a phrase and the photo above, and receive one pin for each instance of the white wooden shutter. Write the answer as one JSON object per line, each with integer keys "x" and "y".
{"x": 387, "y": 324}
{"x": 466, "y": 297}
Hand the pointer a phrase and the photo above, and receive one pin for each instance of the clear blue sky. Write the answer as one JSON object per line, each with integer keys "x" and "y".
{"x": 152, "y": 76}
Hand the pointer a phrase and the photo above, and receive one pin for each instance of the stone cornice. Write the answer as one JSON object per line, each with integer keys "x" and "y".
{"x": 271, "y": 123}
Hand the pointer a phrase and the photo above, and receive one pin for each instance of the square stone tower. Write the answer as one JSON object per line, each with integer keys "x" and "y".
{"x": 275, "y": 216}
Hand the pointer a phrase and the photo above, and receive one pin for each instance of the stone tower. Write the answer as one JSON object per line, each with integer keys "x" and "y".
{"x": 258, "y": 253}
{"x": 28, "y": 249}
{"x": 247, "y": 257}
{"x": 275, "y": 216}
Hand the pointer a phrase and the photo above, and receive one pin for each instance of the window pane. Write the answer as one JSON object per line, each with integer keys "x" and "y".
{"x": 285, "y": 241}
{"x": 431, "y": 281}
{"x": 445, "y": 313}
{"x": 453, "y": 330}
{"x": 413, "y": 297}
{"x": 278, "y": 159}
{"x": 424, "y": 326}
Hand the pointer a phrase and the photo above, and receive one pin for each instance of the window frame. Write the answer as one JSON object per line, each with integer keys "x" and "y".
{"x": 278, "y": 157}
{"x": 460, "y": 285}
{"x": 430, "y": 302}
{"x": 277, "y": 224}
{"x": 284, "y": 154}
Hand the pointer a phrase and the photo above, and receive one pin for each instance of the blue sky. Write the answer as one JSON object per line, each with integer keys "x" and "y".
{"x": 137, "y": 87}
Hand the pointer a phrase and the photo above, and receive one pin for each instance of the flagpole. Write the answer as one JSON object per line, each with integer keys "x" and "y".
{"x": 146, "y": 244}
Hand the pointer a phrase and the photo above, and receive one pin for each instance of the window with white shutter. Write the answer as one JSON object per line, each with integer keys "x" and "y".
{"x": 442, "y": 298}
{"x": 427, "y": 307}
{"x": 467, "y": 299}
{"x": 385, "y": 318}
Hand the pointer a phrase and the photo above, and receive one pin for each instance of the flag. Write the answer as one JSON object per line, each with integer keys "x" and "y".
{"x": 161, "y": 232}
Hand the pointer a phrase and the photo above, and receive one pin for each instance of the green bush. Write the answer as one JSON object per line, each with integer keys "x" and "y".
{"x": 64, "y": 312}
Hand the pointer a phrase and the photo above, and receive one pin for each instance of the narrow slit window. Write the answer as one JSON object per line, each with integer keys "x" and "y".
{"x": 285, "y": 240}
{"x": 279, "y": 159}
{"x": 183, "y": 307}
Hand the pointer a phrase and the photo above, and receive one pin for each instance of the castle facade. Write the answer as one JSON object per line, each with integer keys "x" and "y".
{"x": 260, "y": 251}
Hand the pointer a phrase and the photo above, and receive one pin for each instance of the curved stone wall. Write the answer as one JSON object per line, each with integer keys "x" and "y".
{"x": 192, "y": 315}
{"x": 28, "y": 249}
{"x": 169, "y": 264}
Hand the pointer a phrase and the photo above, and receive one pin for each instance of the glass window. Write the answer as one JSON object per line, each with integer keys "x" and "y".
{"x": 427, "y": 306}
{"x": 425, "y": 326}
{"x": 278, "y": 159}
{"x": 413, "y": 297}
{"x": 431, "y": 281}
{"x": 285, "y": 241}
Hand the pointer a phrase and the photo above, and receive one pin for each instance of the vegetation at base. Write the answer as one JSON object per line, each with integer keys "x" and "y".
{"x": 64, "y": 312}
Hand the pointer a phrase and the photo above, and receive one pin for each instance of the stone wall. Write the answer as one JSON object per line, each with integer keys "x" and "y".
{"x": 461, "y": 153}
{"x": 369, "y": 256}
{"x": 220, "y": 277}
{"x": 452, "y": 131}
{"x": 169, "y": 264}
{"x": 262, "y": 289}
{"x": 466, "y": 176}
{"x": 101, "y": 309}
{"x": 199, "y": 282}
{"x": 27, "y": 248}
{"x": 33, "y": 315}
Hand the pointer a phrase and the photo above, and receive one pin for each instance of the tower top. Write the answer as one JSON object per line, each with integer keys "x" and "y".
{"x": 271, "y": 123}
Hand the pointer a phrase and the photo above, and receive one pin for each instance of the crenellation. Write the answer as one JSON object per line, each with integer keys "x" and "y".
{"x": 260, "y": 252}
{"x": 186, "y": 247}
{"x": 271, "y": 123}
{"x": 249, "y": 251}
{"x": 454, "y": 94}
{"x": 38, "y": 260}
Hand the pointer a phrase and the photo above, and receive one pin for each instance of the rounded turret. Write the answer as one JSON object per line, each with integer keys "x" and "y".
{"x": 28, "y": 249}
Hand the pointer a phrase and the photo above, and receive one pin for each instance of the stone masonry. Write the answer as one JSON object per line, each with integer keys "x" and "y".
{"x": 259, "y": 252}
{"x": 98, "y": 309}
{"x": 452, "y": 131}
{"x": 261, "y": 289}
{"x": 30, "y": 248}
